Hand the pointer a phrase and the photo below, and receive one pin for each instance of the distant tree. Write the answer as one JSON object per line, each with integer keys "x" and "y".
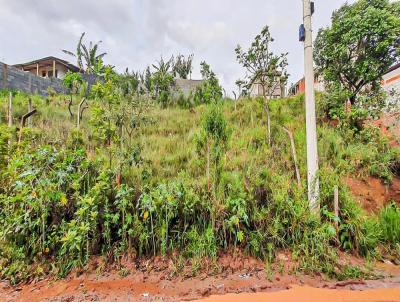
{"x": 241, "y": 87}
{"x": 162, "y": 80}
{"x": 264, "y": 68}
{"x": 210, "y": 90}
{"x": 88, "y": 60}
{"x": 359, "y": 47}
{"x": 129, "y": 82}
{"x": 182, "y": 66}
{"x": 145, "y": 85}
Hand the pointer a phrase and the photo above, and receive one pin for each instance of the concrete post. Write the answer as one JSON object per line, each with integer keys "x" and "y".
{"x": 311, "y": 126}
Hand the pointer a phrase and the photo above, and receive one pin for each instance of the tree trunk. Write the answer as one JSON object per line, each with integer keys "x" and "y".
{"x": 78, "y": 121}
{"x": 25, "y": 117}
{"x": 69, "y": 107}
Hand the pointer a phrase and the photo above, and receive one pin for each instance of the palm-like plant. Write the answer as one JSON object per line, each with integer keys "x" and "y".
{"x": 163, "y": 67}
{"x": 87, "y": 58}
{"x": 182, "y": 66}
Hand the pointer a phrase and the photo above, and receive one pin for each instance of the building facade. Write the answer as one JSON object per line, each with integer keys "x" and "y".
{"x": 279, "y": 91}
{"x": 49, "y": 67}
{"x": 300, "y": 86}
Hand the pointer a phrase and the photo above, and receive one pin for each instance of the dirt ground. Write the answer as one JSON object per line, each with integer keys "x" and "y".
{"x": 240, "y": 276}
{"x": 390, "y": 126}
{"x": 372, "y": 193}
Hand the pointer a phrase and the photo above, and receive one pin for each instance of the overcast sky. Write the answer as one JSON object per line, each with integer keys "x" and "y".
{"x": 136, "y": 33}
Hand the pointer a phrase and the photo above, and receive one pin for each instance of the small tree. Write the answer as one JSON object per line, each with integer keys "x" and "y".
{"x": 209, "y": 90}
{"x": 264, "y": 68}
{"x": 73, "y": 82}
{"x": 105, "y": 112}
{"x": 162, "y": 81}
{"x": 213, "y": 142}
{"x": 360, "y": 46}
{"x": 130, "y": 82}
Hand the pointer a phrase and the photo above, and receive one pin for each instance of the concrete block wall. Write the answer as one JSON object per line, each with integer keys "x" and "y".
{"x": 15, "y": 79}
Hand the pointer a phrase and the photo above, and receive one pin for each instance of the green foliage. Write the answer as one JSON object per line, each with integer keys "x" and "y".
{"x": 360, "y": 46}
{"x": 213, "y": 140}
{"x": 182, "y": 66}
{"x": 62, "y": 204}
{"x": 162, "y": 81}
{"x": 263, "y": 68}
{"x": 262, "y": 65}
{"x": 87, "y": 57}
{"x": 5, "y": 136}
{"x": 210, "y": 90}
{"x": 389, "y": 223}
{"x": 73, "y": 81}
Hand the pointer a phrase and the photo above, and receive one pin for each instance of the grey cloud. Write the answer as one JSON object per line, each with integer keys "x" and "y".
{"x": 136, "y": 32}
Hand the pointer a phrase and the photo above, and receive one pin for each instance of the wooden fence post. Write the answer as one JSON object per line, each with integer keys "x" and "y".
{"x": 293, "y": 146}
{"x": 30, "y": 108}
{"x": 336, "y": 204}
{"x": 80, "y": 110}
{"x": 10, "y": 110}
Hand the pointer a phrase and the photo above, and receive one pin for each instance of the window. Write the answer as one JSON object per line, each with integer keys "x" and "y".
{"x": 50, "y": 74}
{"x": 44, "y": 73}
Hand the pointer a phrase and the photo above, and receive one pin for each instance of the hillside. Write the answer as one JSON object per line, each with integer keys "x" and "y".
{"x": 63, "y": 203}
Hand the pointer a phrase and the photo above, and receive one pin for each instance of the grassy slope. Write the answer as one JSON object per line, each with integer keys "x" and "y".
{"x": 168, "y": 142}
{"x": 266, "y": 173}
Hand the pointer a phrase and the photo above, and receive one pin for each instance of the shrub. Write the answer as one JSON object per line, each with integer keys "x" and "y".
{"x": 389, "y": 223}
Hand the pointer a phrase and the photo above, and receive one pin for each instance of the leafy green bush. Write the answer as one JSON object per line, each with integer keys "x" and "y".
{"x": 389, "y": 223}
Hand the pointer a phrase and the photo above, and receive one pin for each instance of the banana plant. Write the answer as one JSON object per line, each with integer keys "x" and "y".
{"x": 88, "y": 59}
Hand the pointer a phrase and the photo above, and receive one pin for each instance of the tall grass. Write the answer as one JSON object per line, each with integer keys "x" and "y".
{"x": 159, "y": 203}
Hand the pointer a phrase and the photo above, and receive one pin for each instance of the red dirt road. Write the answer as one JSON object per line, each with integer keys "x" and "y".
{"x": 241, "y": 279}
{"x": 307, "y": 294}
{"x": 234, "y": 287}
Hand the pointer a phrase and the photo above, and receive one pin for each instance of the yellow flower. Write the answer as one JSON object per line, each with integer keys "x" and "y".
{"x": 46, "y": 250}
{"x": 33, "y": 194}
{"x": 63, "y": 200}
{"x": 145, "y": 215}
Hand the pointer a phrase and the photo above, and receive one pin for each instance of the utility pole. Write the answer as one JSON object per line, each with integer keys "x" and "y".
{"x": 311, "y": 126}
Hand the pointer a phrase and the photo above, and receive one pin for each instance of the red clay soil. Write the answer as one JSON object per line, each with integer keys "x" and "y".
{"x": 372, "y": 193}
{"x": 390, "y": 126}
{"x": 307, "y": 294}
{"x": 154, "y": 281}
